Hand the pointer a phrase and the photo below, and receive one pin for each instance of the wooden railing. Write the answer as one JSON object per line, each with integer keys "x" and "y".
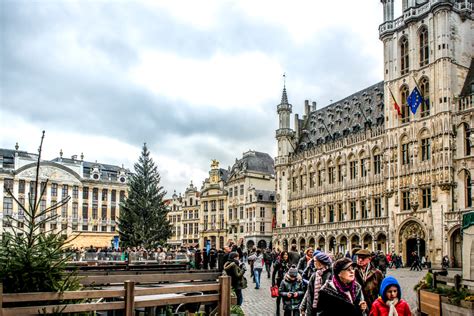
{"x": 127, "y": 298}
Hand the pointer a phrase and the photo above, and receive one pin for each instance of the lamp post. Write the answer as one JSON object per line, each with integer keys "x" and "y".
{"x": 418, "y": 246}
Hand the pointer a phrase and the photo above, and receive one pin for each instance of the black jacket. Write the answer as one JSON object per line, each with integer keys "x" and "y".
{"x": 332, "y": 302}
{"x": 279, "y": 270}
{"x": 307, "y": 303}
{"x": 291, "y": 286}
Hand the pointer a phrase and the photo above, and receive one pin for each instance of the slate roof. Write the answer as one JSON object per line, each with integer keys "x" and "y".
{"x": 467, "y": 89}
{"x": 253, "y": 161}
{"x": 266, "y": 196}
{"x": 360, "y": 111}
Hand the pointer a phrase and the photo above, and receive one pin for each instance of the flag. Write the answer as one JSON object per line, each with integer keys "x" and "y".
{"x": 414, "y": 100}
{"x": 395, "y": 104}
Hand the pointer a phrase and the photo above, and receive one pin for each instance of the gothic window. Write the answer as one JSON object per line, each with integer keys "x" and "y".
{"x": 320, "y": 215}
{"x": 340, "y": 213}
{"x": 405, "y": 154}
{"x": 311, "y": 215}
{"x": 425, "y": 149}
{"x": 405, "y": 200}
{"x": 424, "y": 48}
{"x": 295, "y": 180}
{"x": 377, "y": 163}
{"x": 405, "y": 108}
{"x": 353, "y": 169}
{"x": 363, "y": 208}
{"x": 301, "y": 218}
{"x": 320, "y": 177}
{"x": 340, "y": 172}
{"x": 331, "y": 213}
{"x": 353, "y": 210}
{"x": 301, "y": 181}
{"x": 294, "y": 218}
{"x": 468, "y": 190}
{"x": 426, "y": 195}
{"x": 425, "y": 92}
{"x": 378, "y": 207}
{"x": 311, "y": 179}
{"x": 404, "y": 63}
{"x": 467, "y": 140}
{"x": 332, "y": 175}
{"x": 363, "y": 169}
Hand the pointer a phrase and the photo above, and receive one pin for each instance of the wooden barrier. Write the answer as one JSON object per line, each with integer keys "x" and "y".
{"x": 126, "y": 299}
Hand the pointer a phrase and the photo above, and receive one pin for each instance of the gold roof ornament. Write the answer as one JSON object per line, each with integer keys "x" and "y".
{"x": 215, "y": 164}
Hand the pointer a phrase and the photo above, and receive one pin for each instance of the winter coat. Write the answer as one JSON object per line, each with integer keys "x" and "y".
{"x": 307, "y": 303}
{"x": 293, "y": 258}
{"x": 371, "y": 285}
{"x": 302, "y": 264}
{"x": 279, "y": 270}
{"x": 291, "y": 286}
{"x": 381, "y": 308}
{"x": 333, "y": 302}
{"x": 236, "y": 274}
{"x": 308, "y": 272}
{"x": 257, "y": 261}
{"x": 268, "y": 257}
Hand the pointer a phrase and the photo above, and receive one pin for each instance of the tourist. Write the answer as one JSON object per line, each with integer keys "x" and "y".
{"x": 280, "y": 268}
{"x": 257, "y": 259}
{"x": 341, "y": 295}
{"x": 268, "y": 259}
{"x": 291, "y": 291}
{"x": 234, "y": 270}
{"x": 294, "y": 256}
{"x": 197, "y": 259}
{"x": 368, "y": 276}
{"x": 212, "y": 258}
{"x": 310, "y": 269}
{"x": 303, "y": 262}
{"x": 323, "y": 273}
{"x": 390, "y": 302}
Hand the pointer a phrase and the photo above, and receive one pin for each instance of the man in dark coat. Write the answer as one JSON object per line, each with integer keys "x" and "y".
{"x": 197, "y": 259}
{"x": 294, "y": 256}
{"x": 368, "y": 276}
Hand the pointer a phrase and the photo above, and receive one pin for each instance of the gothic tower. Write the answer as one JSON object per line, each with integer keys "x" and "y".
{"x": 284, "y": 136}
{"x": 429, "y": 48}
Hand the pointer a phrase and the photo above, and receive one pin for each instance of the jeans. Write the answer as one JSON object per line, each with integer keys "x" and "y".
{"x": 257, "y": 272}
{"x": 240, "y": 298}
{"x": 268, "y": 267}
{"x": 295, "y": 312}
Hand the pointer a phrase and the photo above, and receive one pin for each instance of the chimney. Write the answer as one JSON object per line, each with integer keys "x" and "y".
{"x": 306, "y": 108}
{"x": 314, "y": 106}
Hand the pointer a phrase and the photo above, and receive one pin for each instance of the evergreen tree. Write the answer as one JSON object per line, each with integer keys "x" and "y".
{"x": 143, "y": 215}
{"x": 32, "y": 260}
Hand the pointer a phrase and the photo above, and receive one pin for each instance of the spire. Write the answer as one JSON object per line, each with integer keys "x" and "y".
{"x": 284, "y": 97}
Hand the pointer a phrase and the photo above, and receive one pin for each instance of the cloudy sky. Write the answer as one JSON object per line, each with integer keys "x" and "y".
{"x": 195, "y": 80}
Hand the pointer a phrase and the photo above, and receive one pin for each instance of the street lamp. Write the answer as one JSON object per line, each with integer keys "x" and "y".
{"x": 418, "y": 245}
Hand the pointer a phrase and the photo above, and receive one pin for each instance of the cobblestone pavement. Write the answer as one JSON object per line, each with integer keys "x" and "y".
{"x": 259, "y": 302}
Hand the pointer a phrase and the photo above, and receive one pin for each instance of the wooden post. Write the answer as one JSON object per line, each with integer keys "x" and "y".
{"x": 457, "y": 282}
{"x": 435, "y": 274}
{"x": 224, "y": 302}
{"x": 129, "y": 298}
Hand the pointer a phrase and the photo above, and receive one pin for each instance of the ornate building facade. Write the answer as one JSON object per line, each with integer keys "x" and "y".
{"x": 357, "y": 172}
{"x": 95, "y": 189}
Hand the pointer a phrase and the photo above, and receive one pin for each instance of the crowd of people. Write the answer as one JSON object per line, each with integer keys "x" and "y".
{"x": 318, "y": 283}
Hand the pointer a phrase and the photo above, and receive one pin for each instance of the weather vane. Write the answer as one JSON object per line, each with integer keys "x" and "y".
{"x": 284, "y": 79}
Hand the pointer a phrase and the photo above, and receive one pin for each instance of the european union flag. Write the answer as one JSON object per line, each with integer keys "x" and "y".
{"x": 414, "y": 100}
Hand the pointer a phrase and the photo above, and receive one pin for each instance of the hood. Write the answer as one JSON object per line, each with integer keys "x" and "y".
{"x": 388, "y": 281}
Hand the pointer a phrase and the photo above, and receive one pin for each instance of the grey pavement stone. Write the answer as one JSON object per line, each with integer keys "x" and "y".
{"x": 259, "y": 302}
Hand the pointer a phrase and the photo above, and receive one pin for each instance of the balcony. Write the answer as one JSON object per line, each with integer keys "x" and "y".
{"x": 466, "y": 103}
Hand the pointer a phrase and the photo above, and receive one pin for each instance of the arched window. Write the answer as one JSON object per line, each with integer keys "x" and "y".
{"x": 467, "y": 139}
{"x": 405, "y": 108}
{"x": 425, "y": 92}
{"x": 404, "y": 66}
{"x": 468, "y": 190}
{"x": 424, "y": 48}
{"x": 405, "y": 151}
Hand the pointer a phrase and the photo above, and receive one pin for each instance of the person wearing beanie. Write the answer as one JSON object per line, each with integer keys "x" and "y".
{"x": 238, "y": 281}
{"x": 305, "y": 260}
{"x": 341, "y": 295}
{"x": 322, "y": 264}
{"x": 390, "y": 302}
{"x": 368, "y": 276}
{"x": 291, "y": 291}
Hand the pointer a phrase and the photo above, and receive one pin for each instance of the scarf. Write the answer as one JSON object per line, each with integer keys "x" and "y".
{"x": 318, "y": 278}
{"x": 391, "y": 304}
{"x": 343, "y": 288}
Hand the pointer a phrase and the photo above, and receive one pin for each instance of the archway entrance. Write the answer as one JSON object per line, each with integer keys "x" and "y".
{"x": 302, "y": 244}
{"x": 368, "y": 242}
{"x": 382, "y": 243}
{"x": 355, "y": 242}
{"x": 262, "y": 244}
{"x": 312, "y": 242}
{"x": 411, "y": 241}
{"x": 456, "y": 248}
{"x": 332, "y": 245}
{"x": 322, "y": 243}
{"x": 343, "y": 245}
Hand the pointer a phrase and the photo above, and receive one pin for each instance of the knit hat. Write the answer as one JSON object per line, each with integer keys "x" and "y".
{"x": 386, "y": 283}
{"x": 233, "y": 255}
{"x": 315, "y": 253}
{"x": 323, "y": 258}
{"x": 342, "y": 264}
{"x": 293, "y": 272}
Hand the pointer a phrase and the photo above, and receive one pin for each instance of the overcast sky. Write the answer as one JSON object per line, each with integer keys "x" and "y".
{"x": 195, "y": 80}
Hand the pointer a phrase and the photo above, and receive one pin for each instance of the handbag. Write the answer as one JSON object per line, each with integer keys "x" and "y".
{"x": 274, "y": 291}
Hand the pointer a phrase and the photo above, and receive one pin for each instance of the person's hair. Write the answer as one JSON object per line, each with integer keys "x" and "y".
{"x": 293, "y": 247}
{"x": 283, "y": 253}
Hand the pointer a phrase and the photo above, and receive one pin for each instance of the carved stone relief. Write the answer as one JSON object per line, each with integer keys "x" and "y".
{"x": 49, "y": 172}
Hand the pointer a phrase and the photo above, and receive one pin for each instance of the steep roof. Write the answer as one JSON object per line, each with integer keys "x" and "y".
{"x": 360, "y": 111}
{"x": 254, "y": 161}
{"x": 467, "y": 89}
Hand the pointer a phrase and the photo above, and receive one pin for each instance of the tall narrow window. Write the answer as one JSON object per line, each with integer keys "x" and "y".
{"x": 468, "y": 190}
{"x": 377, "y": 164}
{"x": 363, "y": 169}
{"x": 425, "y": 92}
{"x": 405, "y": 108}
{"x": 353, "y": 169}
{"x": 378, "y": 207}
{"x": 340, "y": 172}
{"x": 363, "y": 209}
{"x": 424, "y": 48}
{"x": 404, "y": 64}
{"x": 353, "y": 210}
{"x": 331, "y": 172}
{"x": 405, "y": 154}
{"x": 425, "y": 149}
{"x": 426, "y": 192}
{"x": 331, "y": 213}
{"x": 311, "y": 179}
{"x": 467, "y": 140}
{"x": 405, "y": 200}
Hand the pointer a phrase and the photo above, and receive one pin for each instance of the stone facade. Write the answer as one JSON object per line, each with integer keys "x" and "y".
{"x": 358, "y": 173}
{"x": 95, "y": 189}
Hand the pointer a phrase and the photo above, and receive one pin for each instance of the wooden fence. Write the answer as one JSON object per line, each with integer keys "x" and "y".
{"x": 126, "y": 298}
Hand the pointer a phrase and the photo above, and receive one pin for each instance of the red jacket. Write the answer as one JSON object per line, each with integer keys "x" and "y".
{"x": 379, "y": 308}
